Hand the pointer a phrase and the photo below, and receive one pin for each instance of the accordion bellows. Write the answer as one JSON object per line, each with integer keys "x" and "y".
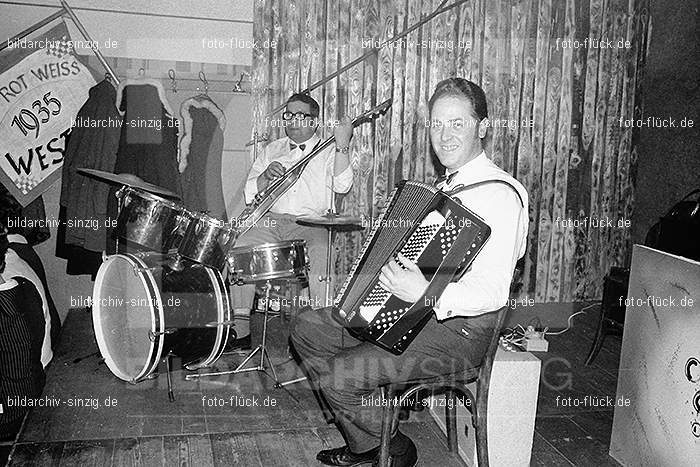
{"x": 430, "y": 228}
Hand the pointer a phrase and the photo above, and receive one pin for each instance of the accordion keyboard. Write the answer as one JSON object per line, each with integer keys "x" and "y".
{"x": 430, "y": 229}
{"x": 412, "y": 250}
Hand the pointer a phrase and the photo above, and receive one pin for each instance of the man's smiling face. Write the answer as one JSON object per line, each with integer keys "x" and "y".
{"x": 455, "y": 132}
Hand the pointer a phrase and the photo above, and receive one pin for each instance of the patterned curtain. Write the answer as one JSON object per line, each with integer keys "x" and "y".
{"x": 562, "y": 79}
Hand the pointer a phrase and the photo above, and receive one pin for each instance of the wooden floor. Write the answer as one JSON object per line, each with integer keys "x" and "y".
{"x": 144, "y": 428}
{"x": 575, "y": 435}
{"x": 204, "y": 426}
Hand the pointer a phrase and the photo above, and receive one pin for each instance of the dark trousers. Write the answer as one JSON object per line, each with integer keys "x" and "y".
{"x": 347, "y": 372}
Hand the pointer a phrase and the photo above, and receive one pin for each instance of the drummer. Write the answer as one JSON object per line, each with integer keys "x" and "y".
{"x": 309, "y": 196}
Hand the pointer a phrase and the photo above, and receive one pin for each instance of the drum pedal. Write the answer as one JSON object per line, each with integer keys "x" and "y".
{"x": 137, "y": 269}
{"x": 213, "y": 324}
{"x": 152, "y": 335}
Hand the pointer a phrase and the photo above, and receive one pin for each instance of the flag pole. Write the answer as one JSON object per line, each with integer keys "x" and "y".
{"x": 65, "y": 9}
{"x": 87, "y": 37}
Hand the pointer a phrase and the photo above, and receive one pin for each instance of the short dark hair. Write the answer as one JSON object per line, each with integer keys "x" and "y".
{"x": 4, "y": 244}
{"x": 460, "y": 87}
{"x": 306, "y": 99}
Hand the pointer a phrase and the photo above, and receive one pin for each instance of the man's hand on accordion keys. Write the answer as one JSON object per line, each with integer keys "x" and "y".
{"x": 403, "y": 279}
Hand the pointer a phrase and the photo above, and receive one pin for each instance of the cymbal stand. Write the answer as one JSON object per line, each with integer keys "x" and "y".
{"x": 120, "y": 205}
{"x": 329, "y": 262}
{"x": 262, "y": 349}
{"x": 327, "y": 277}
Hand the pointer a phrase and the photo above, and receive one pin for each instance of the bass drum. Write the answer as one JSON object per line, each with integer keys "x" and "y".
{"x": 142, "y": 310}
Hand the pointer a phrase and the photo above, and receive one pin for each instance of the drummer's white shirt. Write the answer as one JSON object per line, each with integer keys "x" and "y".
{"x": 311, "y": 194}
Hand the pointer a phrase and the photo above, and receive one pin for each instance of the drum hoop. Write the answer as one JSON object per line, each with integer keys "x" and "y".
{"x": 285, "y": 274}
{"x": 267, "y": 245}
{"x": 160, "y": 334}
{"x": 152, "y": 197}
{"x": 210, "y": 220}
{"x": 153, "y": 359}
{"x": 223, "y": 314}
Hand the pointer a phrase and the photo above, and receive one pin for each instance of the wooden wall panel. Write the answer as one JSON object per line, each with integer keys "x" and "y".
{"x": 477, "y": 58}
{"x": 410, "y": 91}
{"x": 464, "y": 35}
{"x": 557, "y": 254}
{"x": 396, "y": 114}
{"x": 540, "y": 242}
{"x": 563, "y": 237}
{"x": 525, "y": 155}
{"x": 382, "y": 168}
{"x": 566, "y": 145}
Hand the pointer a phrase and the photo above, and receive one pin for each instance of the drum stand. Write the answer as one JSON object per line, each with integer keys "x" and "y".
{"x": 168, "y": 367}
{"x": 154, "y": 374}
{"x": 262, "y": 348}
{"x": 326, "y": 278}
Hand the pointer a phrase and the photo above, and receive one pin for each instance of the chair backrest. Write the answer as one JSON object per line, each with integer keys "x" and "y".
{"x": 490, "y": 355}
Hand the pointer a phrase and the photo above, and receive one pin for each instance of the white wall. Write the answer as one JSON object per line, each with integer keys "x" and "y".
{"x": 163, "y": 30}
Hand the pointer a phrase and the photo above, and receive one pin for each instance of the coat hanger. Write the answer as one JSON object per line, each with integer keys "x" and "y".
{"x": 108, "y": 78}
{"x": 173, "y": 82}
{"x": 238, "y": 88}
{"x": 205, "y": 84}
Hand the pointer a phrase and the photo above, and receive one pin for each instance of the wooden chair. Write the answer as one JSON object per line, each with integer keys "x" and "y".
{"x": 612, "y": 309}
{"x": 451, "y": 385}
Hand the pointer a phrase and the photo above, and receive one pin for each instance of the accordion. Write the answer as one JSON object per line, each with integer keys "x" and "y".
{"x": 428, "y": 227}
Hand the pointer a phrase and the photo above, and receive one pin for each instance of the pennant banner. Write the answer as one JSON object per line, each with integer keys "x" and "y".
{"x": 42, "y": 87}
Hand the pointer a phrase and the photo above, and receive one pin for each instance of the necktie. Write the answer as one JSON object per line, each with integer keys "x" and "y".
{"x": 293, "y": 146}
{"x": 445, "y": 178}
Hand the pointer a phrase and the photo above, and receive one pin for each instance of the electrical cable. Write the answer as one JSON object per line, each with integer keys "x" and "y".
{"x": 582, "y": 310}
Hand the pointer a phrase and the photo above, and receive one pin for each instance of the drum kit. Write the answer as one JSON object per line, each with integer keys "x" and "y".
{"x": 165, "y": 292}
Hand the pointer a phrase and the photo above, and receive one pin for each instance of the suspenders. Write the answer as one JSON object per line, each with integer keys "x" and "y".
{"x": 461, "y": 188}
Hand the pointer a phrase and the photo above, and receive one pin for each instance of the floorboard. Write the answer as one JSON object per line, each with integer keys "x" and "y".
{"x": 44, "y": 454}
{"x": 235, "y": 450}
{"x": 87, "y": 453}
{"x": 243, "y": 420}
{"x": 286, "y": 448}
{"x": 151, "y": 451}
{"x": 127, "y": 453}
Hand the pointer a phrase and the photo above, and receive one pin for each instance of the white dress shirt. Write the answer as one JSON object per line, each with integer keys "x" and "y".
{"x": 16, "y": 266}
{"x": 311, "y": 194}
{"x": 485, "y": 286}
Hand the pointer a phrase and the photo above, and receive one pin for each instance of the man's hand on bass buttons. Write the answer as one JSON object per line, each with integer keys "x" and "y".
{"x": 403, "y": 279}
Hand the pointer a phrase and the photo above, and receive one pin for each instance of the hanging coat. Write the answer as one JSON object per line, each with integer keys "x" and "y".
{"x": 148, "y": 142}
{"x": 92, "y": 143}
{"x": 200, "y": 156}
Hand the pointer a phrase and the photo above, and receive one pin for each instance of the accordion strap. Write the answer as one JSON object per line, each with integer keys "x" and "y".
{"x": 461, "y": 188}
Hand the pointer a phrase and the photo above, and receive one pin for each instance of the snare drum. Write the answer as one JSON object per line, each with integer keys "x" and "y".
{"x": 142, "y": 310}
{"x": 207, "y": 240}
{"x": 268, "y": 261}
{"x": 150, "y": 221}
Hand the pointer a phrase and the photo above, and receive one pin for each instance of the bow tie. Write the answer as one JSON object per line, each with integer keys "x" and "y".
{"x": 445, "y": 178}
{"x": 293, "y": 146}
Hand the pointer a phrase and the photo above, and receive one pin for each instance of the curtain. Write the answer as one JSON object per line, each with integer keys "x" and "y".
{"x": 562, "y": 81}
